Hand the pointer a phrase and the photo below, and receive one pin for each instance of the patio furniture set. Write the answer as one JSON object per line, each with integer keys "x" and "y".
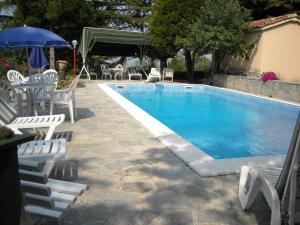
{"x": 38, "y": 89}
{"x": 42, "y": 196}
{"x": 130, "y": 73}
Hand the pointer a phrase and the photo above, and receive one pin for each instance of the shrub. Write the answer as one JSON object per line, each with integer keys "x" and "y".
{"x": 265, "y": 76}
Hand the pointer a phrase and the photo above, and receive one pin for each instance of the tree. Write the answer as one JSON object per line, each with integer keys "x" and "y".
{"x": 261, "y": 9}
{"x": 64, "y": 17}
{"x": 169, "y": 20}
{"x": 220, "y": 29}
{"x": 126, "y": 14}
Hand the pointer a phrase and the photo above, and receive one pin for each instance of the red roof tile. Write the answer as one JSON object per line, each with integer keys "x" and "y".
{"x": 272, "y": 20}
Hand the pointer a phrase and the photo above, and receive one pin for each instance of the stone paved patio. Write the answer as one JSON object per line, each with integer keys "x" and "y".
{"x": 135, "y": 180}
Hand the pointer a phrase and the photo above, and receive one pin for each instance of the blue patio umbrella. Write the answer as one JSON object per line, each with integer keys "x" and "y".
{"x": 37, "y": 58}
{"x": 28, "y": 37}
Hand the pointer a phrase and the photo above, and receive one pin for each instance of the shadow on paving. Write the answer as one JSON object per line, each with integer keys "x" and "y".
{"x": 157, "y": 188}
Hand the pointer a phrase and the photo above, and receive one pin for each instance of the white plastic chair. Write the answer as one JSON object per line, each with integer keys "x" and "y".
{"x": 66, "y": 97}
{"x": 168, "y": 73}
{"x": 16, "y": 77}
{"x": 119, "y": 71}
{"x": 278, "y": 185}
{"x": 8, "y": 117}
{"x": 43, "y": 151}
{"x": 52, "y": 74}
{"x": 47, "y": 83}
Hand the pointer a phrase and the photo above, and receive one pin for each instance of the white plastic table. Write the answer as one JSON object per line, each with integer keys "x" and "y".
{"x": 32, "y": 91}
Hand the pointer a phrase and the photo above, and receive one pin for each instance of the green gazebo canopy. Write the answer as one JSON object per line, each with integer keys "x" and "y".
{"x": 109, "y": 42}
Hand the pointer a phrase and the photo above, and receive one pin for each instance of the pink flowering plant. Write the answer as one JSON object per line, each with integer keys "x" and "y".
{"x": 265, "y": 76}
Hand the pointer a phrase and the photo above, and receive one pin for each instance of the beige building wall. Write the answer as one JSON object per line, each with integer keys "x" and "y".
{"x": 277, "y": 49}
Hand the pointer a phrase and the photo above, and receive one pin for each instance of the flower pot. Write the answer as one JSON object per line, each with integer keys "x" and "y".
{"x": 61, "y": 64}
{"x": 11, "y": 200}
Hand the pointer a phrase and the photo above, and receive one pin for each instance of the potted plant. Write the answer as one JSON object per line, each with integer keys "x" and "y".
{"x": 11, "y": 200}
{"x": 61, "y": 64}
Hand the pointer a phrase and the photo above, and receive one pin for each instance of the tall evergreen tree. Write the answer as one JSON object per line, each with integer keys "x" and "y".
{"x": 266, "y": 8}
{"x": 64, "y": 17}
{"x": 126, "y": 14}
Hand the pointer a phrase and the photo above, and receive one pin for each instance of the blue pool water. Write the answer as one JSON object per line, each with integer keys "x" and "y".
{"x": 222, "y": 123}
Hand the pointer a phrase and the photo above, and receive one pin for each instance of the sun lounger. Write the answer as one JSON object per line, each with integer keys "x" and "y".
{"x": 278, "y": 185}
{"x": 44, "y": 151}
{"x": 8, "y": 117}
{"x": 153, "y": 76}
{"x": 31, "y": 171}
{"x": 42, "y": 199}
{"x": 133, "y": 73}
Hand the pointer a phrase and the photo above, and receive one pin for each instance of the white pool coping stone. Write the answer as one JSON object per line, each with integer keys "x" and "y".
{"x": 198, "y": 160}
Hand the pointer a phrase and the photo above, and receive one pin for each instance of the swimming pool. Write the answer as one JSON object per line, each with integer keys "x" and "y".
{"x": 224, "y": 124}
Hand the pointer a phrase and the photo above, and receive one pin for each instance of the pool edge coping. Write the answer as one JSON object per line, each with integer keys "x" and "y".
{"x": 194, "y": 157}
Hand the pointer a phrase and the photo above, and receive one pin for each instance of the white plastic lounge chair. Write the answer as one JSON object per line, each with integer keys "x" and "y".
{"x": 45, "y": 151}
{"x": 153, "y": 76}
{"x": 32, "y": 172}
{"x": 8, "y": 117}
{"x": 66, "y": 97}
{"x": 168, "y": 73}
{"x": 133, "y": 73}
{"x": 279, "y": 186}
{"x": 15, "y": 77}
{"x": 41, "y": 199}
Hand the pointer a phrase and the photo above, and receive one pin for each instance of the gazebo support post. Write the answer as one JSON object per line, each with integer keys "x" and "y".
{"x": 87, "y": 72}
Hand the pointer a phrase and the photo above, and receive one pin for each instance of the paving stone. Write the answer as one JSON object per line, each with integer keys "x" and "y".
{"x": 139, "y": 187}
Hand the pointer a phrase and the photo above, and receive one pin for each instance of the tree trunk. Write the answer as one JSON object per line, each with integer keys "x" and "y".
{"x": 216, "y": 62}
{"x": 163, "y": 64}
{"x": 189, "y": 65}
{"x": 52, "y": 58}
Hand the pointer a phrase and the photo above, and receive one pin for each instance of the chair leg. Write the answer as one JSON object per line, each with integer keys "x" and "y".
{"x": 71, "y": 111}
{"x": 51, "y": 107}
{"x": 50, "y": 133}
{"x": 48, "y": 167}
{"x": 75, "y": 109}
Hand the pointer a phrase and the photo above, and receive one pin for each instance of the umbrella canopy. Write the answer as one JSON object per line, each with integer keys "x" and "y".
{"x": 23, "y": 37}
{"x": 37, "y": 58}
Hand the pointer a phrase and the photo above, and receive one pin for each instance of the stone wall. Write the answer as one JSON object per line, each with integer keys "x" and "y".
{"x": 277, "y": 89}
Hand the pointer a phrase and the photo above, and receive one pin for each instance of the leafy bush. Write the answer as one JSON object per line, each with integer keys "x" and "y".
{"x": 178, "y": 63}
{"x": 265, "y": 76}
{"x": 66, "y": 83}
{"x": 201, "y": 64}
